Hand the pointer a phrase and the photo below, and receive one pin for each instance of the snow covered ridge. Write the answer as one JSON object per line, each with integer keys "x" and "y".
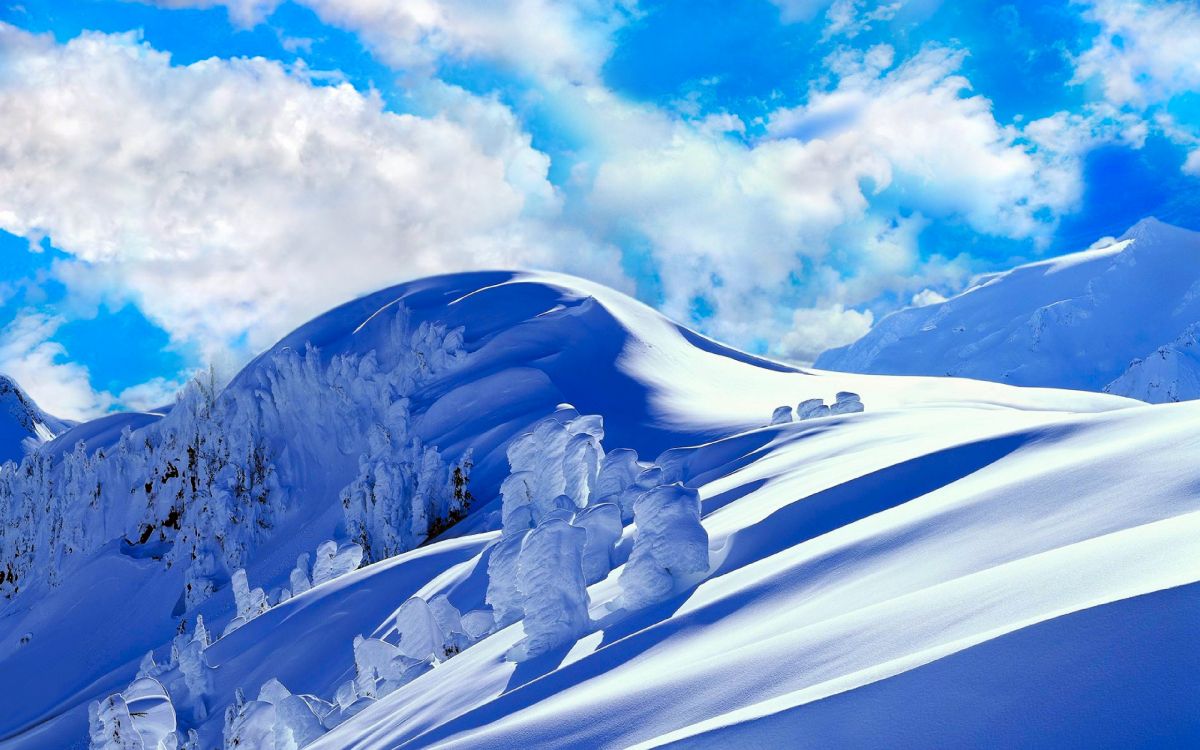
{"x": 579, "y": 530}
{"x": 22, "y": 424}
{"x": 1114, "y": 319}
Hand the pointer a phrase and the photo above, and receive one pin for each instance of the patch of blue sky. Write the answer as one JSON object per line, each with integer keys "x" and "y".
{"x": 118, "y": 344}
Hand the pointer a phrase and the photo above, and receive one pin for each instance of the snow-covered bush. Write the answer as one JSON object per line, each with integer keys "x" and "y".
{"x": 250, "y": 603}
{"x": 670, "y": 546}
{"x": 781, "y": 415}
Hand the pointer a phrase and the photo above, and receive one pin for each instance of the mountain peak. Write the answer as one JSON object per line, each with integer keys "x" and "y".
{"x": 22, "y": 420}
{"x": 1151, "y": 229}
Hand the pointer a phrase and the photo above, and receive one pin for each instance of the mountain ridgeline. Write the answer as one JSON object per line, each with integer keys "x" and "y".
{"x": 1120, "y": 318}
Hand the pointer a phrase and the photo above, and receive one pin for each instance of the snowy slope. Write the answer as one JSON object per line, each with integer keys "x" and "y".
{"x": 22, "y": 422}
{"x": 1076, "y": 321}
{"x": 957, "y": 535}
{"x": 1172, "y": 373}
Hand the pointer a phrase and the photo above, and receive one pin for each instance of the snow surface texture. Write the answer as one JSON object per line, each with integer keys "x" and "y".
{"x": 1119, "y": 319}
{"x": 945, "y": 562}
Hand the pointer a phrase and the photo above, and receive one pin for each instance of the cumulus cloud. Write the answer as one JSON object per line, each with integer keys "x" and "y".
{"x": 233, "y": 197}
{"x": 1145, "y": 52}
{"x": 813, "y": 330}
{"x": 741, "y": 224}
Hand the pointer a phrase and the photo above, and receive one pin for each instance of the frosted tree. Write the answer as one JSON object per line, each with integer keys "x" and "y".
{"x": 670, "y": 546}
{"x": 140, "y": 717}
{"x": 334, "y": 560}
{"x": 602, "y": 524}
{"x": 299, "y": 577}
{"x": 503, "y": 592}
{"x": 421, "y": 637}
{"x": 553, "y": 591}
{"x": 110, "y": 726}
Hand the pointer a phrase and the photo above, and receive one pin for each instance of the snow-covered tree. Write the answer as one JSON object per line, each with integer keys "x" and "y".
{"x": 670, "y": 546}
{"x": 602, "y": 523}
{"x": 554, "y": 593}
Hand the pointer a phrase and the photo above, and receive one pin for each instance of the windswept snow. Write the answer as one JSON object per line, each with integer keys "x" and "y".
{"x": 592, "y": 537}
{"x": 1076, "y": 321}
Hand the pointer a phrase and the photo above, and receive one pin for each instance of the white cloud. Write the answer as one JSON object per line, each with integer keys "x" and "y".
{"x": 542, "y": 38}
{"x": 849, "y": 18}
{"x": 38, "y": 364}
{"x": 242, "y": 12}
{"x": 738, "y": 222}
{"x": 814, "y": 330}
{"x": 1192, "y": 164}
{"x": 231, "y": 196}
{"x": 153, "y": 393}
{"x": 1146, "y": 52}
{"x": 927, "y": 297}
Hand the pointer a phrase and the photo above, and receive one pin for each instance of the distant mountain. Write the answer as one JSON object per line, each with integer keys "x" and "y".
{"x": 1172, "y": 373}
{"x": 21, "y": 421}
{"x": 1111, "y": 318}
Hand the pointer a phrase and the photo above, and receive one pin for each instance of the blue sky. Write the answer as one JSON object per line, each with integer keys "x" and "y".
{"x": 183, "y": 181}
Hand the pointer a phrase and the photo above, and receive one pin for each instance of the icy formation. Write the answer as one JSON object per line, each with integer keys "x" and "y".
{"x": 781, "y": 415}
{"x": 421, "y": 637}
{"x": 846, "y": 402}
{"x": 503, "y": 587}
{"x": 1075, "y": 321}
{"x": 276, "y": 720}
{"x": 1172, "y": 373}
{"x": 670, "y": 546}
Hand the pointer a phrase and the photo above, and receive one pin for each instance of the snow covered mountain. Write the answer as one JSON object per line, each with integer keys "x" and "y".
{"x": 585, "y": 526}
{"x": 1076, "y": 321}
{"x": 22, "y": 423}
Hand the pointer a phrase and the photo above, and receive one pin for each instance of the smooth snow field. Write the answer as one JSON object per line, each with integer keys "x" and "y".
{"x": 938, "y": 563}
